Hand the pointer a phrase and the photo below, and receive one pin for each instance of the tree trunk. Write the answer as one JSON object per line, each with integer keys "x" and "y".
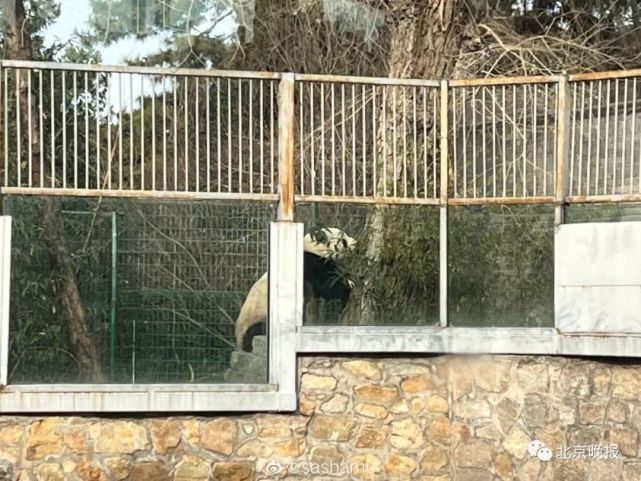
{"x": 18, "y": 47}
{"x": 425, "y": 40}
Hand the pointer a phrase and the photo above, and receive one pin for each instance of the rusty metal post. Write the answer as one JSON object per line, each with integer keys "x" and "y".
{"x": 286, "y": 149}
{"x": 562, "y": 149}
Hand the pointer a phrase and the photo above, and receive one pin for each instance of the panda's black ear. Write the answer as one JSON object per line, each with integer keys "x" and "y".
{"x": 319, "y": 235}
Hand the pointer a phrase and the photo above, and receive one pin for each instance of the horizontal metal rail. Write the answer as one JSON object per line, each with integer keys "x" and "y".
{"x": 90, "y": 129}
{"x": 139, "y": 70}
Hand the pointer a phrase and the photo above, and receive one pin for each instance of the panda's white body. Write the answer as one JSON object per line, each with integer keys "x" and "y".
{"x": 332, "y": 243}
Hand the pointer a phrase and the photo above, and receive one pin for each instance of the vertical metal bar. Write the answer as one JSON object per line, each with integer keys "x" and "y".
{"x": 588, "y": 167}
{"x": 374, "y": 146}
{"x": 53, "y": 131}
{"x": 251, "y": 135}
{"x": 353, "y": 140}
{"x": 97, "y": 114}
{"x": 625, "y": 119}
{"x": 271, "y": 127}
{"x": 573, "y": 140}
{"x": 3, "y": 128}
{"x": 5, "y": 290}
{"x": 186, "y": 131}
{"x": 581, "y": 135}
{"x": 524, "y": 180}
{"x": 444, "y": 124}
{"x": 142, "y": 132}
{"x": 364, "y": 139}
{"x": 286, "y": 127}
{"x": 633, "y": 132}
{"x": 493, "y": 141}
{"x": 41, "y": 143}
{"x": 504, "y": 111}
{"x": 598, "y": 141}
{"x": 312, "y": 172}
{"x": 64, "y": 127}
{"x": 415, "y": 147}
{"x": 218, "y": 136}
{"x": 301, "y": 141}
{"x": 484, "y": 139}
{"x": 131, "y": 131}
{"x": 606, "y": 144}
{"x": 322, "y": 141}
{"x": 434, "y": 143}
{"x": 164, "y": 134}
{"x": 562, "y": 149}
{"x": 395, "y": 173}
{"x": 153, "y": 134}
{"x": 344, "y": 140}
{"x": 514, "y": 135}
{"x": 384, "y": 129}
{"x": 534, "y": 136}
{"x": 229, "y": 136}
{"x": 425, "y": 168}
{"x": 464, "y": 139}
{"x": 454, "y": 145}
{"x": 6, "y": 127}
{"x": 86, "y": 102}
{"x": 404, "y": 90}
{"x": 545, "y": 141}
{"x": 120, "y": 108}
{"x": 75, "y": 129}
{"x": 175, "y": 139}
{"x": 616, "y": 131}
{"x": 30, "y": 132}
{"x": 109, "y": 153}
{"x": 208, "y": 132}
{"x": 474, "y": 171}
{"x": 18, "y": 130}
{"x": 197, "y": 132}
{"x": 240, "y": 135}
{"x": 333, "y": 141}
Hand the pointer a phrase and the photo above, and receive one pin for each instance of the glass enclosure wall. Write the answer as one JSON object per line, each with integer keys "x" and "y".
{"x": 160, "y": 287}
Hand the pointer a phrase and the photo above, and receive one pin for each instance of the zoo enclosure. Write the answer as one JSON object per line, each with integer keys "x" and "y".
{"x": 184, "y": 135}
{"x": 94, "y": 130}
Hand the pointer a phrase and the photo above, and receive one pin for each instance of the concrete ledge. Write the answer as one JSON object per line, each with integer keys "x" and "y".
{"x": 463, "y": 340}
{"x": 26, "y": 399}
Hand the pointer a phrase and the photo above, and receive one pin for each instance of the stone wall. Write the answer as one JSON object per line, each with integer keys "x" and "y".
{"x": 440, "y": 418}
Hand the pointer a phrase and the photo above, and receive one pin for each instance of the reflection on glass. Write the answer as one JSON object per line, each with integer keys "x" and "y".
{"x": 393, "y": 268}
{"x": 602, "y": 212}
{"x": 501, "y": 266}
{"x": 160, "y": 285}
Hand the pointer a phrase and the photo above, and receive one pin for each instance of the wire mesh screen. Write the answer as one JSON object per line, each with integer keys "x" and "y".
{"x": 161, "y": 284}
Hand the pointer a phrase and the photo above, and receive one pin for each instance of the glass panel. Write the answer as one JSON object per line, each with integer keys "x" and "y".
{"x": 393, "y": 269}
{"x": 501, "y": 266}
{"x": 159, "y": 288}
{"x": 610, "y": 212}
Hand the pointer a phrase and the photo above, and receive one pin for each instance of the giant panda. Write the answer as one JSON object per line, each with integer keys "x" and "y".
{"x": 322, "y": 280}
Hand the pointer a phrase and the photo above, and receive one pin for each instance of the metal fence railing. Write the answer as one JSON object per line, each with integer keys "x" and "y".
{"x": 141, "y": 131}
{"x": 124, "y": 130}
{"x": 605, "y": 149}
{"x": 360, "y": 139}
{"x": 503, "y": 140}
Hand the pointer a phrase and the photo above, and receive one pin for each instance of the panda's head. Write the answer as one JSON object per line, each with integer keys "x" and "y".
{"x": 328, "y": 242}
